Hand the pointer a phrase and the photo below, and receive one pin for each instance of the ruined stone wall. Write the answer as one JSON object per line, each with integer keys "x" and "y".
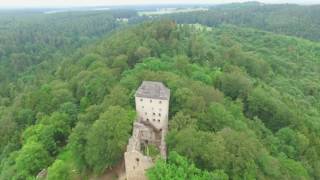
{"x": 136, "y": 165}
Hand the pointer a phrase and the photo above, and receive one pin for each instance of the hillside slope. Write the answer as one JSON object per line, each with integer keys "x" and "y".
{"x": 245, "y": 104}
{"x": 289, "y": 19}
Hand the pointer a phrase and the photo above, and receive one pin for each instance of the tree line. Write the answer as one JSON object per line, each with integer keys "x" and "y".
{"x": 245, "y": 105}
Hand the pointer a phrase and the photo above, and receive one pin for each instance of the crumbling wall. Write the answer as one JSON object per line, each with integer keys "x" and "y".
{"x": 136, "y": 162}
{"x": 136, "y": 165}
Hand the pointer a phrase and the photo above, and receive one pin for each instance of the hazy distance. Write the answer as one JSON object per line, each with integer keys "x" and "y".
{"x": 75, "y": 3}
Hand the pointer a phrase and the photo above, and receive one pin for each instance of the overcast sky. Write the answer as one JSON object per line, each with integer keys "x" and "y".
{"x": 55, "y": 3}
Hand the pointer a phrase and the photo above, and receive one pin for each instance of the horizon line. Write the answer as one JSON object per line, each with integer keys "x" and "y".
{"x": 137, "y": 4}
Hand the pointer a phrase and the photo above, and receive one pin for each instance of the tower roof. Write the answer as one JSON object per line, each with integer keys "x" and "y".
{"x": 154, "y": 90}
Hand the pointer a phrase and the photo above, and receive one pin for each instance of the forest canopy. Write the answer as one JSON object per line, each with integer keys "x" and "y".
{"x": 245, "y": 103}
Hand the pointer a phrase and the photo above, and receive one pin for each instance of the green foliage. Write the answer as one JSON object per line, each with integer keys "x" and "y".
{"x": 181, "y": 121}
{"x": 8, "y": 168}
{"x": 93, "y": 84}
{"x": 293, "y": 170}
{"x": 71, "y": 110}
{"x": 292, "y": 143}
{"x": 234, "y": 84}
{"x": 52, "y": 132}
{"x": 243, "y": 151}
{"x": 216, "y": 118}
{"x": 59, "y": 170}
{"x": 270, "y": 166}
{"x": 274, "y": 113}
{"x": 118, "y": 96}
{"x": 199, "y": 147}
{"x": 77, "y": 145}
{"x": 244, "y": 103}
{"x": 289, "y": 19}
{"x": 188, "y": 100}
{"x": 31, "y": 159}
{"x": 107, "y": 138}
{"x": 25, "y": 117}
{"x": 142, "y": 52}
{"x": 152, "y": 151}
{"x": 178, "y": 167}
{"x": 42, "y": 134}
{"x": 7, "y": 130}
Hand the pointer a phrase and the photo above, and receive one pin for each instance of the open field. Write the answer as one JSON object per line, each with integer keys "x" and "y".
{"x": 170, "y": 11}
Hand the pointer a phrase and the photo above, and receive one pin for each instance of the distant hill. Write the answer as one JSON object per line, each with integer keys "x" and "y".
{"x": 289, "y": 19}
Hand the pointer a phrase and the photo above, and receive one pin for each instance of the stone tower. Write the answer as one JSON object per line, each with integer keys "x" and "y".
{"x": 152, "y": 106}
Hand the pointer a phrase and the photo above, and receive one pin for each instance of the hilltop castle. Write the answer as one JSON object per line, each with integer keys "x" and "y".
{"x": 152, "y": 106}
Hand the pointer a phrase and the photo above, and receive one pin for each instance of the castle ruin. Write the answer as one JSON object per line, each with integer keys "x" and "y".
{"x": 152, "y": 106}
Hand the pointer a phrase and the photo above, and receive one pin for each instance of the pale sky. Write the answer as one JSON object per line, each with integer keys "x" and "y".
{"x": 56, "y": 3}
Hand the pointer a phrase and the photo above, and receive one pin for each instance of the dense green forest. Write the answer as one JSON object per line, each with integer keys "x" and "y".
{"x": 29, "y": 38}
{"x": 289, "y": 19}
{"x": 245, "y": 103}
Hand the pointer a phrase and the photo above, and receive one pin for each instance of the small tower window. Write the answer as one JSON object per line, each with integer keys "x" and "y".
{"x": 154, "y": 114}
{"x": 150, "y": 100}
{"x": 158, "y": 120}
{"x": 142, "y": 107}
{"x": 160, "y": 102}
{"x": 160, "y": 114}
{"x": 141, "y": 99}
